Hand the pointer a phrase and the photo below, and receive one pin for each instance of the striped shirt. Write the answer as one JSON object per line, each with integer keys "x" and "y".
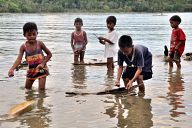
{"x": 34, "y": 58}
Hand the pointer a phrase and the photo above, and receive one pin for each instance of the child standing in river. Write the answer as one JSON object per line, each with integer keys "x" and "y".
{"x": 177, "y": 43}
{"x": 37, "y": 62}
{"x": 110, "y": 42}
{"x": 78, "y": 41}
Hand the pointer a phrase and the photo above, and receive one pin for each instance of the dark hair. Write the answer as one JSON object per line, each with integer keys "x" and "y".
{"x": 176, "y": 18}
{"x": 125, "y": 41}
{"x": 29, "y": 26}
{"x": 111, "y": 19}
{"x": 78, "y": 20}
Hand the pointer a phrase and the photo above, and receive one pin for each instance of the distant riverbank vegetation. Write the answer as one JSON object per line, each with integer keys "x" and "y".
{"x": 31, "y": 6}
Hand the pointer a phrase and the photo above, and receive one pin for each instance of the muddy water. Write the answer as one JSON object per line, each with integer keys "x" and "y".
{"x": 167, "y": 102}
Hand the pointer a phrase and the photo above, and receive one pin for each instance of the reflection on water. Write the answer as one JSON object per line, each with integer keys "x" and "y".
{"x": 79, "y": 76}
{"x": 109, "y": 80}
{"x": 110, "y": 73}
{"x": 176, "y": 90}
{"x": 39, "y": 117}
{"x": 131, "y": 111}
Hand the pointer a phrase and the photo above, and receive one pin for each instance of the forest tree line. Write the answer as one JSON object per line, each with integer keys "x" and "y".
{"x": 95, "y": 6}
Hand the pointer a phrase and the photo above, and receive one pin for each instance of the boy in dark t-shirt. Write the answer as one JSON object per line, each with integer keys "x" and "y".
{"x": 138, "y": 60}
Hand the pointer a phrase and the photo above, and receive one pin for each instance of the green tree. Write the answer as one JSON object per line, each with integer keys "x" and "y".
{"x": 95, "y": 5}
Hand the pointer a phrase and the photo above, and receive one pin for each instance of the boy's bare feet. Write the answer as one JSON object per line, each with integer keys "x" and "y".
{"x": 141, "y": 94}
{"x": 117, "y": 83}
{"x": 131, "y": 92}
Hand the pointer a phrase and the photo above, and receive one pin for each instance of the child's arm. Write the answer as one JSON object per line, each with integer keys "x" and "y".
{"x": 119, "y": 72}
{"x": 181, "y": 37}
{"x": 137, "y": 73}
{"x": 85, "y": 37}
{"x": 180, "y": 42}
{"x": 103, "y": 40}
{"x": 72, "y": 46}
{"x": 17, "y": 61}
{"x": 47, "y": 58}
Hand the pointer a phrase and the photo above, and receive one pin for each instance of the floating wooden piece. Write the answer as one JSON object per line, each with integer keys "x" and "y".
{"x": 22, "y": 108}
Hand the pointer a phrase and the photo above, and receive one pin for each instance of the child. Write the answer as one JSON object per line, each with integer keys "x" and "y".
{"x": 177, "y": 43}
{"x": 78, "y": 41}
{"x": 34, "y": 55}
{"x": 139, "y": 63}
{"x": 110, "y": 41}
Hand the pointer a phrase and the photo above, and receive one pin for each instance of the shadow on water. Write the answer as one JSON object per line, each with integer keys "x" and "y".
{"x": 131, "y": 112}
{"x": 79, "y": 76}
{"x": 176, "y": 90}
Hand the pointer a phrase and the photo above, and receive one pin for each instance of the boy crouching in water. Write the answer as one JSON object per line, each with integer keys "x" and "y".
{"x": 139, "y": 63}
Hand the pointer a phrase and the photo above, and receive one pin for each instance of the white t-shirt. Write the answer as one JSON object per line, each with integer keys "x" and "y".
{"x": 111, "y": 49}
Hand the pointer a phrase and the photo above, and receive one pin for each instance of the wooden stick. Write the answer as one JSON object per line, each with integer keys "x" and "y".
{"x": 112, "y": 91}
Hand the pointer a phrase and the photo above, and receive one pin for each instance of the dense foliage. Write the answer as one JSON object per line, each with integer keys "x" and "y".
{"x": 95, "y": 5}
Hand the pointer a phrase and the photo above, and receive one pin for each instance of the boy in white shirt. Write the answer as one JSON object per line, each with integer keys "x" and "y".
{"x": 110, "y": 42}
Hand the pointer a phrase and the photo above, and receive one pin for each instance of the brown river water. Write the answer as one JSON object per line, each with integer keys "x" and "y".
{"x": 166, "y": 104}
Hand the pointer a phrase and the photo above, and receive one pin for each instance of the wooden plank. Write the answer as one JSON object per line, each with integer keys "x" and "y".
{"x": 21, "y": 108}
{"x": 112, "y": 91}
{"x": 93, "y": 62}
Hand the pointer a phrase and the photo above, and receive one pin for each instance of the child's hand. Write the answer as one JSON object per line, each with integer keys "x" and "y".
{"x": 76, "y": 52}
{"x": 101, "y": 38}
{"x": 80, "y": 50}
{"x": 117, "y": 83}
{"x": 100, "y": 41}
{"x": 40, "y": 66}
{"x": 129, "y": 85}
{"x": 11, "y": 73}
{"x": 168, "y": 58}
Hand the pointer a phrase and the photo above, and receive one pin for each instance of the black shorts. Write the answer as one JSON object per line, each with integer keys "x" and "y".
{"x": 129, "y": 73}
{"x": 172, "y": 56}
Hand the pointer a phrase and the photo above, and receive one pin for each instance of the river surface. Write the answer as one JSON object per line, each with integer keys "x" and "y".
{"x": 166, "y": 104}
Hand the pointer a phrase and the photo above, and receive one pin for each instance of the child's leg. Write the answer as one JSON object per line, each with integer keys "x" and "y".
{"x": 42, "y": 82}
{"x": 170, "y": 63}
{"x": 82, "y": 56}
{"x": 28, "y": 84}
{"x": 76, "y": 56}
{"x": 126, "y": 81}
{"x": 178, "y": 64}
{"x": 170, "y": 59}
{"x": 110, "y": 64}
{"x": 140, "y": 81}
